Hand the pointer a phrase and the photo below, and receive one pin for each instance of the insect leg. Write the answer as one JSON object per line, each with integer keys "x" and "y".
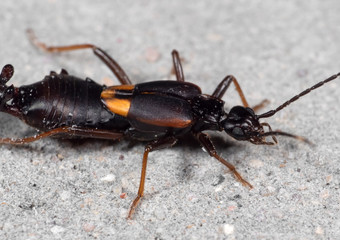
{"x": 224, "y": 85}
{"x": 155, "y": 145}
{"x": 113, "y": 65}
{"x": 66, "y": 131}
{"x": 210, "y": 148}
{"x": 177, "y": 66}
{"x": 101, "y": 54}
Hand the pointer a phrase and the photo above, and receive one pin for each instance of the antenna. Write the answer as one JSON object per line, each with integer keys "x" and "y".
{"x": 293, "y": 99}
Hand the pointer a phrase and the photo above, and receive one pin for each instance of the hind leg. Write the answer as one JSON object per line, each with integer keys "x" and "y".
{"x": 66, "y": 132}
{"x": 101, "y": 54}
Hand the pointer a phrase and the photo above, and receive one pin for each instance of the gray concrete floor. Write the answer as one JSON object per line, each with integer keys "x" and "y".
{"x": 64, "y": 190}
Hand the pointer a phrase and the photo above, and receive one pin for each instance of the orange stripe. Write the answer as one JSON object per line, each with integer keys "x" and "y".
{"x": 108, "y": 94}
{"x": 172, "y": 122}
{"x": 113, "y": 91}
{"x": 118, "y": 106}
{"x": 122, "y": 87}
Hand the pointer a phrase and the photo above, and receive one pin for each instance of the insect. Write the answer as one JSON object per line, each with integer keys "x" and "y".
{"x": 157, "y": 112}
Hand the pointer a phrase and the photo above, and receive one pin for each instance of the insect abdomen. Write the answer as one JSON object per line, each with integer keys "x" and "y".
{"x": 64, "y": 100}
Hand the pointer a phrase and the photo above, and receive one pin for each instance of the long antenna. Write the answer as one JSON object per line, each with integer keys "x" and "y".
{"x": 293, "y": 99}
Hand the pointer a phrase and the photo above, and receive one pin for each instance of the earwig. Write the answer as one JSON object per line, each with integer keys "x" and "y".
{"x": 157, "y": 112}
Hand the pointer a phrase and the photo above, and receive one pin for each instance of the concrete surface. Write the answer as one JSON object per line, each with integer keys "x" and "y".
{"x": 75, "y": 190}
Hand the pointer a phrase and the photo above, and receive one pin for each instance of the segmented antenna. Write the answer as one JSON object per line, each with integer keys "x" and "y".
{"x": 293, "y": 99}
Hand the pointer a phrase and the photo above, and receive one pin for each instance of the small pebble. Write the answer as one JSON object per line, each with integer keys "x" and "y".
{"x": 151, "y": 54}
{"x": 123, "y": 195}
{"x": 329, "y": 178}
{"x": 324, "y": 194}
{"x": 57, "y": 229}
{"x": 88, "y": 227}
{"x": 108, "y": 178}
{"x": 218, "y": 188}
{"x": 65, "y": 195}
{"x": 228, "y": 229}
{"x": 319, "y": 230}
{"x": 256, "y": 163}
{"x": 159, "y": 213}
{"x": 214, "y": 37}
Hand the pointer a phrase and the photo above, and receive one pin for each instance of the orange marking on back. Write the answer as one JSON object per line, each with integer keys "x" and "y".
{"x": 122, "y": 87}
{"x": 118, "y": 106}
{"x": 108, "y": 94}
{"x": 170, "y": 122}
{"x": 117, "y": 91}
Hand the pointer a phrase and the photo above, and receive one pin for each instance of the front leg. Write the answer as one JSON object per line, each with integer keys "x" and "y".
{"x": 210, "y": 148}
{"x": 223, "y": 87}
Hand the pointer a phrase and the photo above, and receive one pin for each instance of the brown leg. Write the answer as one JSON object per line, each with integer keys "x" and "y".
{"x": 224, "y": 85}
{"x": 210, "y": 148}
{"x": 110, "y": 62}
{"x": 155, "y": 145}
{"x": 177, "y": 66}
{"x": 66, "y": 131}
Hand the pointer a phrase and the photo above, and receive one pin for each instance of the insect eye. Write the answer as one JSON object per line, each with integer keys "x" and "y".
{"x": 237, "y": 132}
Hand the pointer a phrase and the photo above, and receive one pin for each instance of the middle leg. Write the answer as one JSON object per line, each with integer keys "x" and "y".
{"x": 155, "y": 145}
{"x": 177, "y": 66}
